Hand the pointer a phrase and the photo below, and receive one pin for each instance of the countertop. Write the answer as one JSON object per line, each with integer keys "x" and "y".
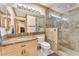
{"x": 17, "y": 39}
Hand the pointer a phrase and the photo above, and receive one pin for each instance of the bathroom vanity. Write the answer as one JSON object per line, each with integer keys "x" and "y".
{"x": 19, "y": 46}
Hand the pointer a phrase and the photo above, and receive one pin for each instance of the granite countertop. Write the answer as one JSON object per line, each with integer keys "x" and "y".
{"x": 17, "y": 39}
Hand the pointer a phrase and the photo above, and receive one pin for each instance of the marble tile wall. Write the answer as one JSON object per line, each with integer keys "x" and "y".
{"x": 68, "y": 29}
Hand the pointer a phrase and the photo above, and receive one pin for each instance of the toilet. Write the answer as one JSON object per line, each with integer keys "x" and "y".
{"x": 45, "y": 46}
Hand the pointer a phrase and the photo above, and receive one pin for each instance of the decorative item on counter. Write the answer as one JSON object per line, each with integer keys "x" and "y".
{"x": 22, "y": 29}
{"x": 12, "y": 30}
{"x": 6, "y": 29}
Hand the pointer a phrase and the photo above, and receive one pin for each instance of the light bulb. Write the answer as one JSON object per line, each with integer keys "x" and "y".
{"x": 56, "y": 16}
{"x": 19, "y": 4}
{"x": 64, "y": 19}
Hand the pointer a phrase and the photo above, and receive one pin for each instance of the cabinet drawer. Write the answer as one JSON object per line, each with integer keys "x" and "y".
{"x": 29, "y": 43}
{"x": 33, "y": 42}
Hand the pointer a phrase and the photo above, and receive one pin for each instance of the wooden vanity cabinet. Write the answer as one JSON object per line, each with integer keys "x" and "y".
{"x": 28, "y": 48}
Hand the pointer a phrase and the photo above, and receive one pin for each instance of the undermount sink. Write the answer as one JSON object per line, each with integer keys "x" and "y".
{"x": 22, "y": 37}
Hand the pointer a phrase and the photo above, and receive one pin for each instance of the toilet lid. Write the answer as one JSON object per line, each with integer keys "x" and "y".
{"x": 45, "y": 44}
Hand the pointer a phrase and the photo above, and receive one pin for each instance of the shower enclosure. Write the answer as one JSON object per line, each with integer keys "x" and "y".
{"x": 68, "y": 25}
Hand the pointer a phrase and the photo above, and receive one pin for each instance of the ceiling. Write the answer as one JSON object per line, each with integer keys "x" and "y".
{"x": 3, "y": 9}
{"x": 18, "y": 12}
{"x": 59, "y": 7}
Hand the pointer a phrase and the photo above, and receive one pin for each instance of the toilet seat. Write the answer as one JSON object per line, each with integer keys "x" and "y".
{"x": 45, "y": 45}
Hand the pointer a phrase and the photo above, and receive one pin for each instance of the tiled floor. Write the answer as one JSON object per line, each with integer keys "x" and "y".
{"x": 42, "y": 53}
{"x": 53, "y": 54}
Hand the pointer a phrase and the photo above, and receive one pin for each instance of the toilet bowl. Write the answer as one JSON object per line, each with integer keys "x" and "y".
{"x": 45, "y": 46}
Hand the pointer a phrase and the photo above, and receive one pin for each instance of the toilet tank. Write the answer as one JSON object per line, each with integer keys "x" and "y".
{"x": 40, "y": 38}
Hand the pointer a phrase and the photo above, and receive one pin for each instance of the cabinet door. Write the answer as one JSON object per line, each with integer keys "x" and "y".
{"x": 32, "y": 50}
{"x": 22, "y": 51}
{"x": 10, "y": 50}
{"x": 28, "y": 50}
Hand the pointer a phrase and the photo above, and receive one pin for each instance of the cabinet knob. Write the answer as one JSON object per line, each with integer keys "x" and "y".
{"x": 23, "y": 52}
{"x": 23, "y": 45}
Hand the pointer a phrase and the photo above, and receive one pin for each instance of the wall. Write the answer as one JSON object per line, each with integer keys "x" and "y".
{"x": 70, "y": 29}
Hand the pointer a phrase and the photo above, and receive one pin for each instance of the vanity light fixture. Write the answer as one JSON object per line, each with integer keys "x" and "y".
{"x": 19, "y": 4}
{"x": 28, "y": 8}
{"x": 65, "y": 19}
